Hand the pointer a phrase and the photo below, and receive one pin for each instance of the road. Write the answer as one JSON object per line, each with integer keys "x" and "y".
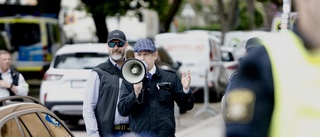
{"x": 190, "y": 124}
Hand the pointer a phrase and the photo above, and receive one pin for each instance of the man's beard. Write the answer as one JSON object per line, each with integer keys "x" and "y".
{"x": 116, "y": 57}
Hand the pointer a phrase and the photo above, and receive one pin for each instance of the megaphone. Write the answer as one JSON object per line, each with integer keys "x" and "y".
{"x": 133, "y": 70}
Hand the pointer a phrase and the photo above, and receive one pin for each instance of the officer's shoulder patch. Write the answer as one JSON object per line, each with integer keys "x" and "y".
{"x": 240, "y": 105}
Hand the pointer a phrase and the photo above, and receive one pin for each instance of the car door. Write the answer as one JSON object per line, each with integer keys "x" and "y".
{"x": 33, "y": 124}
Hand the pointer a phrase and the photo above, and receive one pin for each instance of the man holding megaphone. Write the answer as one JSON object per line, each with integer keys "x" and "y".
{"x": 148, "y": 93}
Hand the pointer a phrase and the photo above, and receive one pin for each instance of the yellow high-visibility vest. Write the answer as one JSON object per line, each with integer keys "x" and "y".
{"x": 296, "y": 76}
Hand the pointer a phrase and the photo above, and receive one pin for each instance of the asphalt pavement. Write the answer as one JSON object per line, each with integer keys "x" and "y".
{"x": 198, "y": 122}
{"x": 204, "y": 120}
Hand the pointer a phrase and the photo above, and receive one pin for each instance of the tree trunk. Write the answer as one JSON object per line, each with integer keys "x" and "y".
{"x": 101, "y": 27}
{"x": 250, "y": 10}
{"x": 223, "y": 20}
{"x": 165, "y": 23}
{"x": 227, "y": 18}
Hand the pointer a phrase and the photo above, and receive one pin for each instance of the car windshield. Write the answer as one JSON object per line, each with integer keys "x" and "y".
{"x": 79, "y": 60}
{"x": 25, "y": 34}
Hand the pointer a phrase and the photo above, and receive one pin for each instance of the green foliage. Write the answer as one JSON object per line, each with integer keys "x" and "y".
{"x": 243, "y": 18}
{"x": 211, "y": 27}
{"x": 112, "y": 7}
{"x": 277, "y": 2}
{"x": 162, "y": 7}
{"x": 102, "y": 7}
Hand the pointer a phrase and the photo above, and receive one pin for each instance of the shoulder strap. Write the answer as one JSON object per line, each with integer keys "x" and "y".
{"x": 15, "y": 81}
{"x": 15, "y": 77}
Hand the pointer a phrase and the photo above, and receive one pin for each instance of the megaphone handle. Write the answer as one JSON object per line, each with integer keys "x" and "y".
{"x": 140, "y": 97}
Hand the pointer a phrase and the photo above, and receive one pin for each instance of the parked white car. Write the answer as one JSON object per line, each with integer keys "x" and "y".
{"x": 63, "y": 85}
{"x": 230, "y": 64}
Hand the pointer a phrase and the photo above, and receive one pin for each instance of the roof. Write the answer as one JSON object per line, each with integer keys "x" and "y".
{"x": 189, "y": 35}
{"x": 5, "y": 110}
{"x": 11, "y": 107}
{"x": 84, "y": 47}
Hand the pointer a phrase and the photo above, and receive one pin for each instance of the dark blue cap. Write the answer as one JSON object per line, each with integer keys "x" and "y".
{"x": 253, "y": 43}
{"x": 144, "y": 45}
{"x": 116, "y": 34}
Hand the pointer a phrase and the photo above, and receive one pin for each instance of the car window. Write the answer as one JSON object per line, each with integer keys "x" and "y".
{"x": 25, "y": 34}
{"x": 227, "y": 56}
{"x": 55, "y": 126}
{"x": 11, "y": 129}
{"x": 33, "y": 125}
{"x": 214, "y": 51}
{"x": 79, "y": 60}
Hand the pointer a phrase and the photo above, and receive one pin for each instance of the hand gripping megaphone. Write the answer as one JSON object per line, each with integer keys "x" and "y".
{"x": 133, "y": 70}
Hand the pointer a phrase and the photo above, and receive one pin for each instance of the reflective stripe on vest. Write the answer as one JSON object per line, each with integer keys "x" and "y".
{"x": 296, "y": 74}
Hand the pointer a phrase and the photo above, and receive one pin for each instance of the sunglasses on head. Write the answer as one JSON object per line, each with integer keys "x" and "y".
{"x": 113, "y": 44}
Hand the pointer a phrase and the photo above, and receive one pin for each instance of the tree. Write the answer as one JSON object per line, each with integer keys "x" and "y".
{"x": 167, "y": 17}
{"x": 241, "y": 15}
{"x": 251, "y": 15}
{"x": 51, "y": 7}
{"x": 227, "y": 17}
{"x": 100, "y": 9}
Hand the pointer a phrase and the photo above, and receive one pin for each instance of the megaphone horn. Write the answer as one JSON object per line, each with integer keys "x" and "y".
{"x": 133, "y": 70}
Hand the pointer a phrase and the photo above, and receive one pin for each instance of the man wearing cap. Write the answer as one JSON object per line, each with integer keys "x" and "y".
{"x": 100, "y": 110}
{"x": 150, "y": 103}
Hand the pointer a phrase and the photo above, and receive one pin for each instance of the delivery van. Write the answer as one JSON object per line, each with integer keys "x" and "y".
{"x": 198, "y": 52}
{"x": 237, "y": 39}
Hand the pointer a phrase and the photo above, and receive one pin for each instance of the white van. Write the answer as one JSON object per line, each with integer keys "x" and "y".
{"x": 198, "y": 52}
{"x": 237, "y": 40}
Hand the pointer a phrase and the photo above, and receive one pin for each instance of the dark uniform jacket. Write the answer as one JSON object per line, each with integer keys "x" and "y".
{"x": 255, "y": 74}
{"x": 108, "y": 95}
{"x": 152, "y": 113}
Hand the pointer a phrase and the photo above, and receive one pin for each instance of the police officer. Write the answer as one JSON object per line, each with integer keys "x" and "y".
{"x": 150, "y": 103}
{"x": 250, "y": 45}
{"x": 11, "y": 82}
{"x": 277, "y": 89}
